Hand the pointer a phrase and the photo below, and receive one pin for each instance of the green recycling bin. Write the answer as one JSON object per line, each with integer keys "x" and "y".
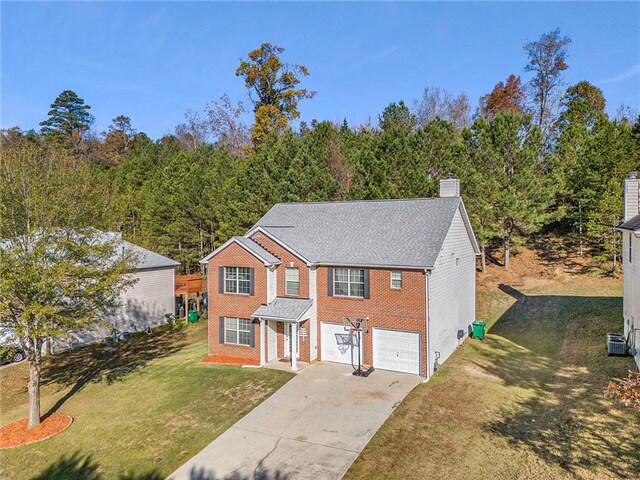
{"x": 479, "y": 328}
{"x": 193, "y": 316}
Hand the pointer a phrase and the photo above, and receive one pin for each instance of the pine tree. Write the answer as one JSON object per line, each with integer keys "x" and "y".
{"x": 69, "y": 118}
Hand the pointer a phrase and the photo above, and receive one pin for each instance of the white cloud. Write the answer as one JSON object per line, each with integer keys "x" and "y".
{"x": 628, "y": 73}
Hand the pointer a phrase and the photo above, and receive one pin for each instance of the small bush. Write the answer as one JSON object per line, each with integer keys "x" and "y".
{"x": 626, "y": 390}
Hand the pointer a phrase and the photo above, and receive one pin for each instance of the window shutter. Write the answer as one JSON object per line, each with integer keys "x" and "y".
{"x": 366, "y": 284}
{"x": 221, "y": 330}
{"x": 330, "y": 282}
{"x": 252, "y": 335}
{"x": 220, "y": 279}
{"x": 251, "y": 278}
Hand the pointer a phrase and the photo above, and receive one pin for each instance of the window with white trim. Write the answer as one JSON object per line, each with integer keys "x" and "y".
{"x": 237, "y": 331}
{"x": 292, "y": 281}
{"x": 237, "y": 280}
{"x": 396, "y": 280}
{"x": 348, "y": 282}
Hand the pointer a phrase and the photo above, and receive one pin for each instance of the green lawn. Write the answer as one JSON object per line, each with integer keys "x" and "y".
{"x": 139, "y": 412}
{"x": 525, "y": 403}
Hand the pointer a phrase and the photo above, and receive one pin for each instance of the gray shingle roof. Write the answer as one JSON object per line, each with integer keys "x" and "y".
{"x": 145, "y": 258}
{"x": 149, "y": 259}
{"x": 632, "y": 224}
{"x": 258, "y": 250}
{"x": 401, "y": 233}
{"x": 283, "y": 308}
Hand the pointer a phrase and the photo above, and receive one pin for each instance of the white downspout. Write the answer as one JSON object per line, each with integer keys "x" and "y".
{"x": 427, "y": 283}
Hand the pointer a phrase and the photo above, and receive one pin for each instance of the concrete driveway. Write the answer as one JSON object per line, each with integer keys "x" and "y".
{"x": 313, "y": 427}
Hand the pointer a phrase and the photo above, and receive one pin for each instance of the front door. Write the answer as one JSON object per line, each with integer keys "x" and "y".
{"x": 272, "y": 340}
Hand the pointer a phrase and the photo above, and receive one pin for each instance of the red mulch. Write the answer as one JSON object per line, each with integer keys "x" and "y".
{"x": 225, "y": 360}
{"x": 16, "y": 433}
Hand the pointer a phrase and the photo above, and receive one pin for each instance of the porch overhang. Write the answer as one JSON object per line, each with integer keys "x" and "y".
{"x": 283, "y": 309}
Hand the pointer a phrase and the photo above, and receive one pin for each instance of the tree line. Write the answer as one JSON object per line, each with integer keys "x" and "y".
{"x": 536, "y": 157}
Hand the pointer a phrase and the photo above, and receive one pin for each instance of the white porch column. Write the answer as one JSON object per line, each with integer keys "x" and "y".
{"x": 262, "y": 341}
{"x": 294, "y": 346}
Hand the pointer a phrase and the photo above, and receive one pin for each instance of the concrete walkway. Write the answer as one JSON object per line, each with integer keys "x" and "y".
{"x": 313, "y": 427}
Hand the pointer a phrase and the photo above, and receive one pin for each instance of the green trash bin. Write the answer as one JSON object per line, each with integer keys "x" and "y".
{"x": 193, "y": 316}
{"x": 479, "y": 328}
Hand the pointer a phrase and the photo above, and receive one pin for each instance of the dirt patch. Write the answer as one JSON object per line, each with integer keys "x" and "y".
{"x": 474, "y": 370}
{"x": 16, "y": 434}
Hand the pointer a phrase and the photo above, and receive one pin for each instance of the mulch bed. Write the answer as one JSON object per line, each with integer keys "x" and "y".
{"x": 225, "y": 360}
{"x": 16, "y": 433}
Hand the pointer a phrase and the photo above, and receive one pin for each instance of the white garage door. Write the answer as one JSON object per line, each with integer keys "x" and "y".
{"x": 332, "y": 347}
{"x": 396, "y": 350}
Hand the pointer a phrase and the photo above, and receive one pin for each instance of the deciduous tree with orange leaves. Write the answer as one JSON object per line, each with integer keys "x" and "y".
{"x": 505, "y": 97}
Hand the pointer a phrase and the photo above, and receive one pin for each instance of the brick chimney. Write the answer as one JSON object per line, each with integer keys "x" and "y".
{"x": 449, "y": 187}
{"x": 631, "y": 196}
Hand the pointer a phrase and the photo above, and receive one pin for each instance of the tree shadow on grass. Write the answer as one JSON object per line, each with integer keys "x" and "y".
{"x": 553, "y": 346}
{"x": 78, "y": 466}
{"x": 108, "y": 363}
{"x": 553, "y": 252}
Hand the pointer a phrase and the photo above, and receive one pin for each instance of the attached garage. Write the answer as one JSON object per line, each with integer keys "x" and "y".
{"x": 396, "y": 350}
{"x": 333, "y": 346}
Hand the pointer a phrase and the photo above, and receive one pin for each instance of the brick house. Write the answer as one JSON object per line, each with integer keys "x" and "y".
{"x": 631, "y": 264}
{"x": 408, "y": 266}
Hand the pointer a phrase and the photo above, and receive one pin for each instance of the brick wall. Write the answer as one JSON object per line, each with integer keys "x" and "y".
{"x": 402, "y": 309}
{"x": 234, "y": 305}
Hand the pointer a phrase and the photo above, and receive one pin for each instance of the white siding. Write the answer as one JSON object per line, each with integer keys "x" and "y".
{"x": 452, "y": 294}
{"x": 313, "y": 320}
{"x": 141, "y": 305}
{"x": 145, "y": 303}
{"x": 631, "y": 300}
{"x": 272, "y": 283}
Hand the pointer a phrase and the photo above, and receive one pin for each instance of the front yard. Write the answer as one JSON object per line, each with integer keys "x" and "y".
{"x": 139, "y": 412}
{"x": 527, "y": 402}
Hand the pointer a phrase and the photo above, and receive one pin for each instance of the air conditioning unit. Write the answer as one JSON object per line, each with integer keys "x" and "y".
{"x": 616, "y": 344}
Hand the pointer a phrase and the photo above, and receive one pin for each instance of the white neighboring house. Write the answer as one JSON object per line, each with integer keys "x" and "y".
{"x": 631, "y": 264}
{"x": 142, "y": 305}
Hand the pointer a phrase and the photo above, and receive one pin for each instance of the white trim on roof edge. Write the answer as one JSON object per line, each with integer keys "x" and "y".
{"x": 467, "y": 224}
{"x": 277, "y": 240}
{"x": 234, "y": 240}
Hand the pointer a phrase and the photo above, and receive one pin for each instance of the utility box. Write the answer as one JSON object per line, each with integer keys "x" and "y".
{"x": 616, "y": 344}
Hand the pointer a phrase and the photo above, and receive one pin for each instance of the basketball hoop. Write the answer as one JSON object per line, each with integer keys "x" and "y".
{"x": 356, "y": 326}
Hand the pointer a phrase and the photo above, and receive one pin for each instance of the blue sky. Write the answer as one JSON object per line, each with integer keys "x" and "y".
{"x": 152, "y": 61}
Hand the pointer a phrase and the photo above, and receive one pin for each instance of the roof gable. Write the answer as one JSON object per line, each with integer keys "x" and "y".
{"x": 250, "y": 246}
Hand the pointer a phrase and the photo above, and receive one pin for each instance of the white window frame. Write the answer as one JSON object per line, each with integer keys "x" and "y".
{"x": 237, "y": 330}
{"x": 349, "y": 282}
{"x": 246, "y": 282}
{"x": 398, "y": 275}
{"x": 296, "y": 281}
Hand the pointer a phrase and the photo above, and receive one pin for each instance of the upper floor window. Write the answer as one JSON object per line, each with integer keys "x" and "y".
{"x": 396, "y": 280}
{"x": 292, "y": 281}
{"x": 237, "y": 280}
{"x": 348, "y": 282}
